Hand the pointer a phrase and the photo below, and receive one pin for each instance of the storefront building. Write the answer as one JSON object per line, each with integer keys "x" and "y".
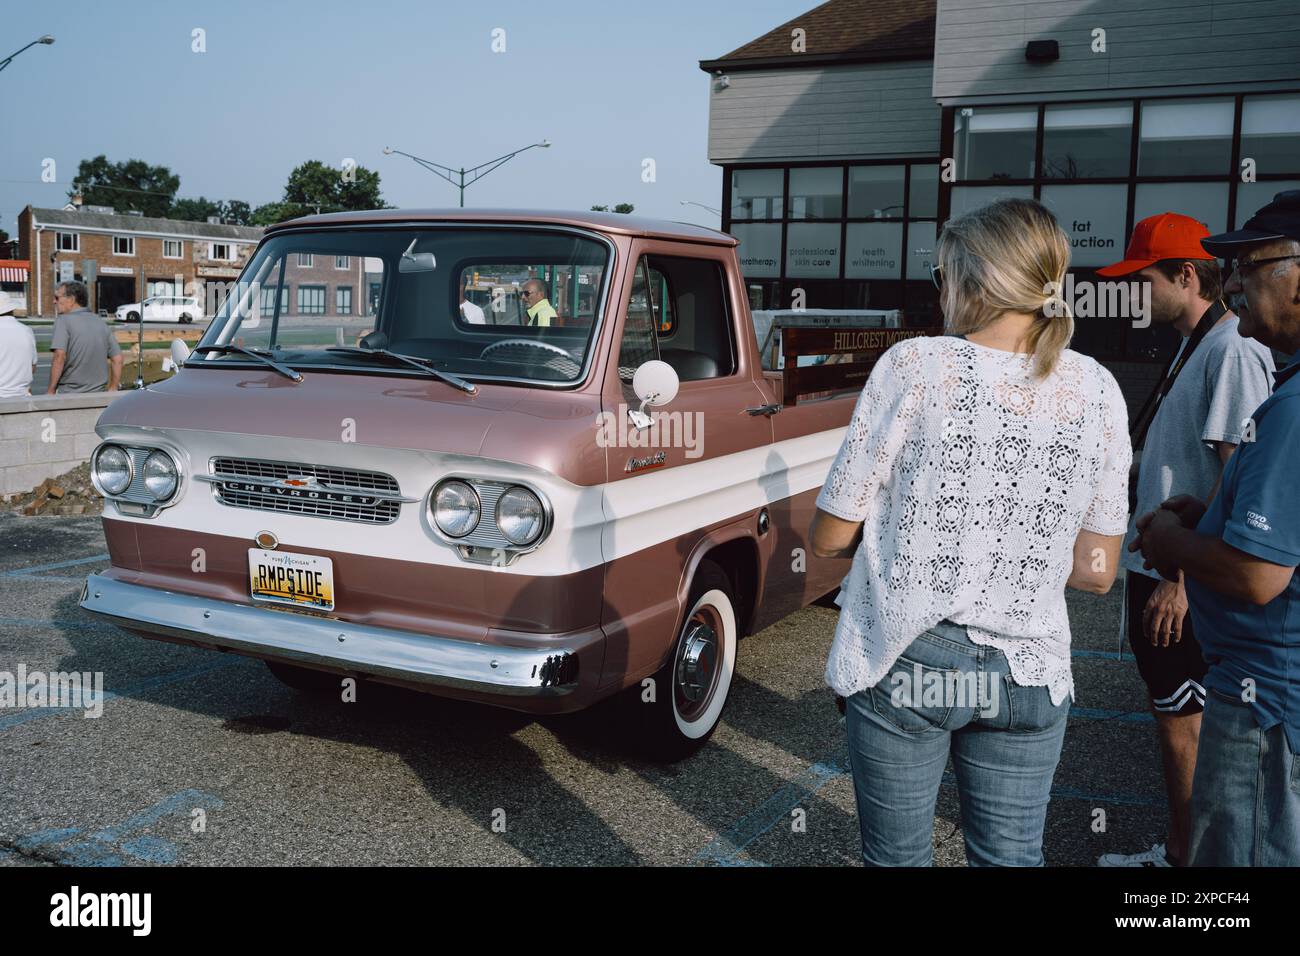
{"x": 124, "y": 259}
{"x": 1106, "y": 112}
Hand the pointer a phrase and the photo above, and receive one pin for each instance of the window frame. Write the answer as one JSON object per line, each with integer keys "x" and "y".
{"x": 129, "y": 240}
{"x": 1229, "y": 179}
{"x": 311, "y": 287}
{"x": 180, "y": 244}
{"x": 338, "y": 307}
{"x": 58, "y": 241}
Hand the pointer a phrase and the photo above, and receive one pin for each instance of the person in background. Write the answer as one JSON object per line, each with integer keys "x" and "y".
{"x": 469, "y": 311}
{"x": 1238, "y": 558}
{"x": 17, "y": 352}
{"x": 86, "y": 356}
{"x": 982, "y": 473}
{"x": 1219, "y": 378}
{"x": 540, "y": 310}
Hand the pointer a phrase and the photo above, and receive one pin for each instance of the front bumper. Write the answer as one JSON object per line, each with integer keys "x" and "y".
{"x": 516, "y": 677}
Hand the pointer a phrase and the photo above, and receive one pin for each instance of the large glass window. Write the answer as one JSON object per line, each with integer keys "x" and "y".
{"x": 760, "y": 249}
{"x": 1086, "y": 140}
{"x": 993, "y": 142}
{"x": 817, "y": 193}
{"x": 923, "y": 193}
{"x": 757, "y": 193}
{"x": 1093, "y": 218}
{"x": 876, "y": 192}
{"x": 1186, "y": 137}
{"x": 965, "y": 198}
{"x": 311, "y": 300}
{"x": 873, "y": 250}
{"x": 812, "y": 250}
{"x": 1207, "y": 202}
{"x": 1270, "y": 132}
{"x": 1251, "y": 197}
{"x": 921, "y": 242}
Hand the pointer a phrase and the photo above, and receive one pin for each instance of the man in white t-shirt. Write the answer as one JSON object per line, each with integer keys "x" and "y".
{"x": 469, "y": 311}
{"x": 17, "y": 352}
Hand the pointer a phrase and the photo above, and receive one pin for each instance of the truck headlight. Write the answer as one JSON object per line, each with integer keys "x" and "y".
{"x": 455, "y": 507}
{"x": 112, "y": 468}
{"x": 160, "y": 475}
{"x": 520, "y": 516}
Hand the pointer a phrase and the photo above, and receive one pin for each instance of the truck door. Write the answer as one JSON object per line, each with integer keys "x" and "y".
{"x": 701, "y": 465}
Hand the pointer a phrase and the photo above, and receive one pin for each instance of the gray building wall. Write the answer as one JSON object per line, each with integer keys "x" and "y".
{"x": 980, "y": 46}
{"x": 878, "y": 110}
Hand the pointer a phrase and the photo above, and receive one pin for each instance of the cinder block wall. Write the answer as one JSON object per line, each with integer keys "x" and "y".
{"x": 44, "y": 436}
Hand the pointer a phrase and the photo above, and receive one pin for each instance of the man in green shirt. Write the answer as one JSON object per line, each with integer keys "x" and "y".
{"x": 540, "y": 310}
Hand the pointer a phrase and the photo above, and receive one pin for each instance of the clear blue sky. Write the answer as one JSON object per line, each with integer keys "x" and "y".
{"x": 282, "y": 82}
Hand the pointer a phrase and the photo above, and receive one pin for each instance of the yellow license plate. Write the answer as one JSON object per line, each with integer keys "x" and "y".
{"x": 297, "y": 580}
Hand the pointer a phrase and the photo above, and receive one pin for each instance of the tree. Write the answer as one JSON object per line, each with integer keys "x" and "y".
{"x": 195, "y": 210}
{"x": 314, "y": 184}
{"x": 236, "y": 212}
{"x": 132, "y": 185}
{"x": 623, "y": 207}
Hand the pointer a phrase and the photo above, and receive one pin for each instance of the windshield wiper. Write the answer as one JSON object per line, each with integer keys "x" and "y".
{"x": 453, "y": 380}
{"x": 260, "y": 356}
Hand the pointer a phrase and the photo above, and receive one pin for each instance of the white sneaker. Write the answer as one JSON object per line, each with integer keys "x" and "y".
{"x": 1153, "y": 857}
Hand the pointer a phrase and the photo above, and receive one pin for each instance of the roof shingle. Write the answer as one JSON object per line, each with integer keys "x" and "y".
{"x": 843, "y": 31}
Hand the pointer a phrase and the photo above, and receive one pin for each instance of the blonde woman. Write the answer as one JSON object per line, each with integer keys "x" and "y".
{"x": 982, "y": 473}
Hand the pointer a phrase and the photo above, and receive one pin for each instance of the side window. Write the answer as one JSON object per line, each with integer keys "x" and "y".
{"x": 639, "y": 343}
{"x": 694, "y": 319}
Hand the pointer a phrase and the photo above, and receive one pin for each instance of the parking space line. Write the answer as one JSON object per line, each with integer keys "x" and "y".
{"x": 725, "y": 849}
{"x": 38, "y": 713}
{"x": 37, "y": 568}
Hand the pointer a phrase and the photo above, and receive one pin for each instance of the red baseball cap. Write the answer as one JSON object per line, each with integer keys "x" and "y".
{"x": 1166, "y": 236}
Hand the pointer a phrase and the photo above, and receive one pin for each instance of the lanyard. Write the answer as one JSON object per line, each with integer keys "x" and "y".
{"x": 1143, "y": 421}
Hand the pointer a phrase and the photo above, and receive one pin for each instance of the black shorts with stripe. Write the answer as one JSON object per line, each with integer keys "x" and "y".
{"x": 1174, "y": 675}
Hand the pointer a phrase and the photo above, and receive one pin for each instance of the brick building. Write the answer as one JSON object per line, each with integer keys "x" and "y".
{"x": 125, "y": 258}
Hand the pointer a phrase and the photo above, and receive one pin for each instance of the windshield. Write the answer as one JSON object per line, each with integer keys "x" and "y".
{"x": 484, "y": 303}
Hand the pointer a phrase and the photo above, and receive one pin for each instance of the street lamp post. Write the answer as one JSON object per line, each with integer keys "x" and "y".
{"x": 692, "y": 202}
{"x": 461, "y": 178}
{"x": 46, "y": 40}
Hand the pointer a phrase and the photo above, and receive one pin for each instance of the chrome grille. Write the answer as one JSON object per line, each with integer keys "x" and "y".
{"x": 365, "y": 502}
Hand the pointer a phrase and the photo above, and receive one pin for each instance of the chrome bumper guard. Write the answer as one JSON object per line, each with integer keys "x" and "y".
{"x": 339, "y": 645}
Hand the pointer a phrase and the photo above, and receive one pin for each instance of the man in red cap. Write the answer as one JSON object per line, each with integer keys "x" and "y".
{"x": 1191, "y": 424}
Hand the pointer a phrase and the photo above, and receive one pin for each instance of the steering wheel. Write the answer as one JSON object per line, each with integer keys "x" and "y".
{"x": 506, "y": 345}
{"x": 515, "y": 349}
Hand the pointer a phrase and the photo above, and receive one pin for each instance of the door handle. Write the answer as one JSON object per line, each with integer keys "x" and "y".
{"x": 768, "y": 410}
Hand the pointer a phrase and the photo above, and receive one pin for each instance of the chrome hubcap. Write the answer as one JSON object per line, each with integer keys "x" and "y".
{"x": 697, "y": 662}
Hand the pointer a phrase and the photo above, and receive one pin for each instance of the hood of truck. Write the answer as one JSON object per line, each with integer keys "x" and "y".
{"x": 537, "y": 427}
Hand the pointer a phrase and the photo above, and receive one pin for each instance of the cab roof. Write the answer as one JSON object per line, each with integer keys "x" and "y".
{"x": 599, "y": 221}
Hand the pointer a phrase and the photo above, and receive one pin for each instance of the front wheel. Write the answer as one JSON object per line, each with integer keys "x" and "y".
{"x": 186, "y": 319}
{"x": 133, "y": 316}
{"x": 679, "y": 711}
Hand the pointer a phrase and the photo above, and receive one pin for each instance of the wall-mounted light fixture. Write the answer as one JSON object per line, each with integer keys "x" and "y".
{"x": 1042, "y": 51}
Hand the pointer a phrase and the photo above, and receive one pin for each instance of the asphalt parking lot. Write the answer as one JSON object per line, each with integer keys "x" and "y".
{"x": 201, "y": 758}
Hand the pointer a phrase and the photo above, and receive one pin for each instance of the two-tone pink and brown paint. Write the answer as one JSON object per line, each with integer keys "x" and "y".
{"x": 607, "y": 591}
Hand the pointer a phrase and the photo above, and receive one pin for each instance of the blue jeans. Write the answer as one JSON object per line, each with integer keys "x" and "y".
{"x": 1005, "y": 741}
{"x": 1246, "y": 791}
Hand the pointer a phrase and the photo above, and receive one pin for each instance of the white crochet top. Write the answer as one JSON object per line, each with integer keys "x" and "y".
{"x": 972, "y": 480}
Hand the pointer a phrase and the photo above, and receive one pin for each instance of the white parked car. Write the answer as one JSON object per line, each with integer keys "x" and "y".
{"x": 162, "y": 308}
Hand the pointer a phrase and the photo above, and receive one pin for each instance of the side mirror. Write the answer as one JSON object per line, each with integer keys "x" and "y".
{"x": 180, "y": 352}
{"x": 655, "y": 383}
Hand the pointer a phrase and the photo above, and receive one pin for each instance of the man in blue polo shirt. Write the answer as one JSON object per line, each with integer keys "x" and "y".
{"x": 1238, "y": 557}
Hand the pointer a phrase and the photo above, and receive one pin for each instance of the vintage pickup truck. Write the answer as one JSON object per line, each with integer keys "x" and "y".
{"x": 539, "y": 466}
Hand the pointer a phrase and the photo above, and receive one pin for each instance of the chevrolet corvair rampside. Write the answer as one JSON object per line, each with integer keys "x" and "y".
{"x": 539, "y": 463}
